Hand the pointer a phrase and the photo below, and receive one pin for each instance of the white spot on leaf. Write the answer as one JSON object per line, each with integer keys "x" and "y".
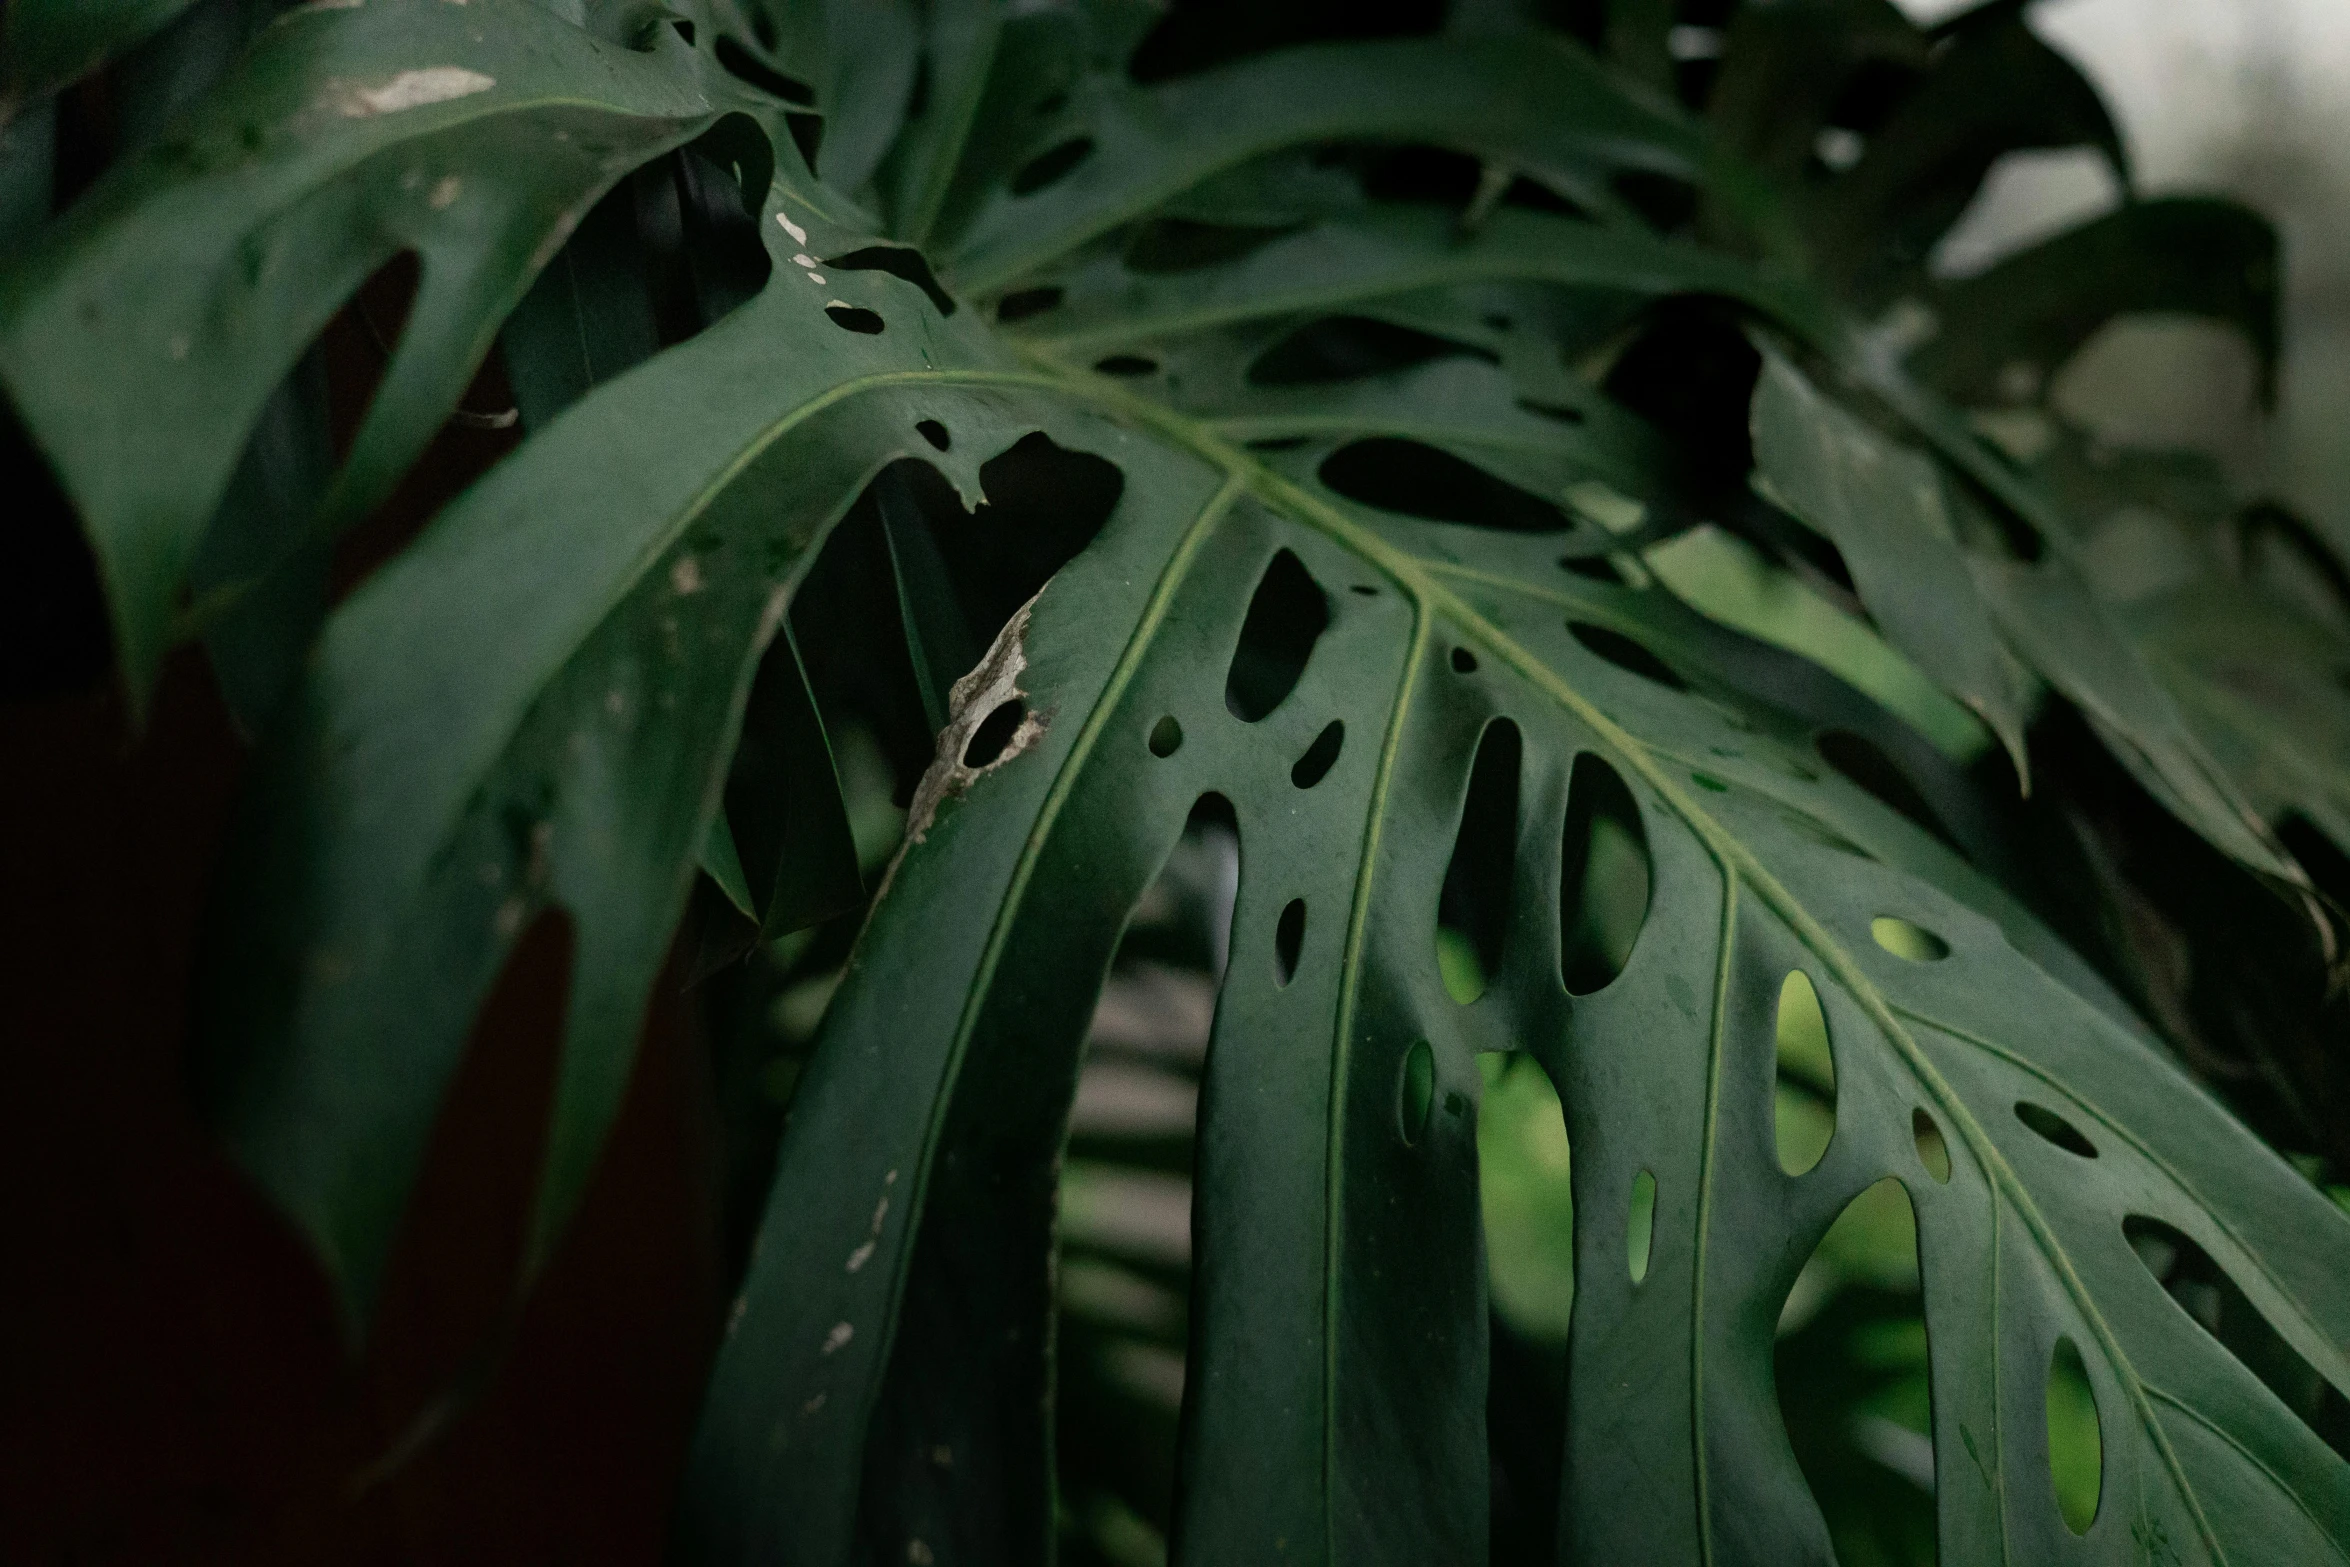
{"x": 686, "y": 576}
{"x": 444, "y": 195}
{"x": 799, "y": 235}
{"x": 409, "y": 90}
{"x": 839, "y": 1337}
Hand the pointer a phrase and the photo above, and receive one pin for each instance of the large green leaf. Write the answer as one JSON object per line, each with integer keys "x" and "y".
{"x": 897, "y": 1308}
{"x": 473, "y": 136}
{"x": 536, "y": 708}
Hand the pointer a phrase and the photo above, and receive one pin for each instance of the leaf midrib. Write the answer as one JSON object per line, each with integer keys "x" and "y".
{"x": 1420, "y": 585}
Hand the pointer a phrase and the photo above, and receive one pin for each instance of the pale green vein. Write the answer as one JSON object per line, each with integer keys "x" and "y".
{"x": 2251, "y": 1256}
{"x": 1705, "y": 1189}
{"x": 1409, "y": 572}
{"x": 1350, "y": 973}
{"x": 1064, "y": 783}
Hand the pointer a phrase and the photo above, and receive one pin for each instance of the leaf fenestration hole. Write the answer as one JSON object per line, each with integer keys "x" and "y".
{"x": 1022, "y": 303}
{"x": 901, "y": 262}
{"x": 1319, "y": 757}
{"x": 2076, "y": 1440}
{"x": 1474, "y": 908}
{"x": 1286, "y": 617}
{"x": 2201, "y": 1288}
{"x": 1911, "y": 943}
{"x": 1289, "y": 938}
{"x": 1525, "y": 1181}
{"x": 1127, "y": 365}
{"x": 1593, "y": 568}
{"x": 1640, "y": 1226}
{"x": 1626, "y": 654}
{"x": 935, "y": 433}
{"x": 1853, "y": 1372}
{"x": 1341, "y": 348}
{"x": 741, "y": 64}
{"x": 1464, "y": 662}
{"x": 1933, "y": 1151}
{"x": 1605, "y": 877}
{"x": 1419, "y": 480}
{"x": 994, "y": 733}
{"x": 855, "y": 318}
{"x": 1415, "y": 1091}
{"x": 1166, "y": 736}
{"x": 1054, "y": 163}
{"x": 1804, "y": 1099}
{"x": 2054, "y": 1128}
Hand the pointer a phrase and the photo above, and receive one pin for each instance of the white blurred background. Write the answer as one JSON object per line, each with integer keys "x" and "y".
{"x": 2246, "y": 98}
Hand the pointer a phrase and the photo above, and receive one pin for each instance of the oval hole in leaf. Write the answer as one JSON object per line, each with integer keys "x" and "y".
{"x": 1415, "y": 1091}
{"x": 1604, "y": 877}
{"x": 1341, "y": 348}
{"x": 994, "y": 733}
{"x": 1052, "y": 164}
{"x": 1852, "y": 1368}
{"x": 2205, "y": 1292}
{"x": 2054, "y": 1128}
{"x": 1640, "y": 1226}
{"x": 1286, "y": 617}
{"x": 935, "y": 433}
{"x": 1464, "y": 662}
{"x": 1173, "y": 245}
{"x": 2076, "y": 1444}
{"x": 1593, "y": 568}
{"x": 1320, "y": 757}
{"x": 1474, "y": 908}
{"x": 1626, "y": 654}
{"x": 1933, "y": 1152}
{"x": 1911, "y": 943}
{"x": 1804, "y": 1099}
{"x": 1289, "y": 938}
{"x": 1127, "y": 365}
{"x": 1525, "y": 1182}
{"x": 1166, "y": 736}
{"x": 854, "y": 318}
{"x": 1022, "y": 303}
{"x": 900, "y": 262}
{"x": 1419, "y": 480}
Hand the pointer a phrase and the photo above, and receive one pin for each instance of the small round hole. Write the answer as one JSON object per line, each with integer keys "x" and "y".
{"x": 1933, "y": 1152}
{"x": 1289, "y": 939}
{"x": 1415, "y": 1091}
{"x": 1127, "y": 365}
{"x": 854, "y": 318}
{"x": 994, "y": 733}
{"x": 2054, "y": 1128}
{"x": 935, "y": 433}
{"x": 1912, "y": 943}
{"x": 1463, "y": 661}
{"x": 1166, "y": 736}
{"x": 1709, "y": 781}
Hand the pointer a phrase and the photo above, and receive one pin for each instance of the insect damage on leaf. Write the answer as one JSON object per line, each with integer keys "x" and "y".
{"x": 409, "y": 90}
{"x": 990, "y": 724}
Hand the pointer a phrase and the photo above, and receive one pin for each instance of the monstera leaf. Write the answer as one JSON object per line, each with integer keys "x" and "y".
{"x": 1405, "y": 571}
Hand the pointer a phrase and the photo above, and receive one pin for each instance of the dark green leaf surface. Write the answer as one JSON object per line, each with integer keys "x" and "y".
{"x": 47, "y": 43}
{"x": 473, "y": 136}
{"x": 568, "y": 695}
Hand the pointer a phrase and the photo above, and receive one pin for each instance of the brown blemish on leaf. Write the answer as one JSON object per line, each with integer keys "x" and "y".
{"x": 975, "y": 696}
